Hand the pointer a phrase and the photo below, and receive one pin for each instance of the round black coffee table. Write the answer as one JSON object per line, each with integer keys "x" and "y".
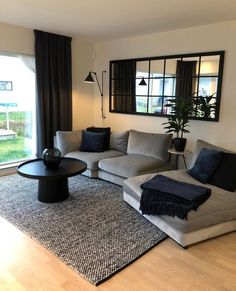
{"x": 53, "y": 183}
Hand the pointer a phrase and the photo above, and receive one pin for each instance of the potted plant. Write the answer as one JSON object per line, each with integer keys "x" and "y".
{"x": 178, "y": 121}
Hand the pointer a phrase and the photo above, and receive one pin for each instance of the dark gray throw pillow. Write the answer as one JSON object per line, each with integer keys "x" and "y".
{"x": 205, "y": 165}
{"x": 106, "y": 130}
{"x": 225, "y": 174}
{"x": 92, "y": 141}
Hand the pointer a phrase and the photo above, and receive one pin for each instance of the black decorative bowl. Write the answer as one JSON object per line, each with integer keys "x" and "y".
{"x": 51, "y": 157}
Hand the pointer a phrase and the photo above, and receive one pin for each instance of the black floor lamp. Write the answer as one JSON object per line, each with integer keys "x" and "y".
{"x": 90, "y": 79}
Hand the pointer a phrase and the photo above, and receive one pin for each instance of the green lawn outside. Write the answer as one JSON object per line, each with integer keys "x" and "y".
{"x": 19, "y": 121}
{"x": 14, "y": 149}
{"x": 19, "y": 116}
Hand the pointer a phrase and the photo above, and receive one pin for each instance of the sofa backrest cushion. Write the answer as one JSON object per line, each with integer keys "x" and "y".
{"x": 68, "y": 141}
{"x": 200, "y": 144}
{"x": 150, "y": 144}
{"x": 205, "y": 165}
{"x": 225, "y": 174}
{"x": 106, "y": 130}
{"x": 119, "y": 141}
{"x": 92, "y": 141}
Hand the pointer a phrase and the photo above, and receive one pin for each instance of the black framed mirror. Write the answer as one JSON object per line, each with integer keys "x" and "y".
{"x": 144, "y": 86}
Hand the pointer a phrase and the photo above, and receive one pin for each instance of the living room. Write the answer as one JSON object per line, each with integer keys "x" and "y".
{"x": 214, "y": 259}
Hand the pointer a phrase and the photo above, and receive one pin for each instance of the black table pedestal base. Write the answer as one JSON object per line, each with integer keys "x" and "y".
{"x": 53, "y": 190}
{"x": 53, "y": 183}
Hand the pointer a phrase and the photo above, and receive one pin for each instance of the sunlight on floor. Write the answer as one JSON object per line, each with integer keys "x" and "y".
{"x": 10, "y": 242}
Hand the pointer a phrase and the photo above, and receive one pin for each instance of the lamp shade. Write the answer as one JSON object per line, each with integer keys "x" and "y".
{"x": 89, "y": 78}
{"x": 142, "y": 82}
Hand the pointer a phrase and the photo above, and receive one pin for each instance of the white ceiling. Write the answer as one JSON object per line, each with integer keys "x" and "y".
{"x": 109, "y": 19}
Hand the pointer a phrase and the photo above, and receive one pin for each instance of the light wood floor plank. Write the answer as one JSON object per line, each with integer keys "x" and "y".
{"x": 210, "y": 265}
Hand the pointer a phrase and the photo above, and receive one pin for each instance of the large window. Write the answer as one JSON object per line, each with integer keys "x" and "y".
{"x": 17, "y": 108}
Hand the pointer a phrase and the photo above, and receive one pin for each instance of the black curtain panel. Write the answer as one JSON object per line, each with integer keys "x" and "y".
{"x": 124, "y": 90}
{"x": 54, "y": 86}
{"x": 184, "y": 78}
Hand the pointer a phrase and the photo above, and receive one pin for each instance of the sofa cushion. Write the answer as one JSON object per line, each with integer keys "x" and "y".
{"x": 68, "y": 141}
{"x": 150, "y": 144}
{"x": 119, "y": 141}
{"x": 132, "y": 165}
{"x": 219, "y": 208}
{"x": 92, "y": 141}
{"x": 200, "y": 144}
{"x": 92, "y": 159}
{"x": 205, "y": 165}
{"x": 106, "y": 130}
{"x": 225, "y": 174}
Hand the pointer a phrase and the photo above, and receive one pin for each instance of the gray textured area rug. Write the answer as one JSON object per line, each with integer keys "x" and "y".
{"x": 94, "y": 231}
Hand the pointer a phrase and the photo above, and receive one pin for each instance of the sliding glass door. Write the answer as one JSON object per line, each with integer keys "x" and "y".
{"x": 17, "y": 108}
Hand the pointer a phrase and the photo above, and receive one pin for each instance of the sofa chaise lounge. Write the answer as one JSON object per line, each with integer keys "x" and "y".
{"x": 214, "y": 217}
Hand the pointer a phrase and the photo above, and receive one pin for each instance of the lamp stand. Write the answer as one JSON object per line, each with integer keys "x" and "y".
{"x": 101, "y": 92}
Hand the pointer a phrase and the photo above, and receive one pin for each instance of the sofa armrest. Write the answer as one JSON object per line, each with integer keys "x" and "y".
{"x": 68, "y": 141}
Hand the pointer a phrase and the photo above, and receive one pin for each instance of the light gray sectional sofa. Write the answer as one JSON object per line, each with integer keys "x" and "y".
{"x": 135, "y": 157}
{"x": 214, "y": 217}
{"x": 131, "y": 153}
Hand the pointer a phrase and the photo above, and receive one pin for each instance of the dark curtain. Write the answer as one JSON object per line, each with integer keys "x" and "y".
{"x": 184, "y": 78}
{"x": 124, "y": 86}
{"x": 54, "y": 86}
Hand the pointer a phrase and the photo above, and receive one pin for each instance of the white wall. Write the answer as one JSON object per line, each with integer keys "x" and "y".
{"x": 16, "y": 39}
{"x": 83, "y": 94}
{"x": 220, "y": 36}
{"x": 21, "y": 40}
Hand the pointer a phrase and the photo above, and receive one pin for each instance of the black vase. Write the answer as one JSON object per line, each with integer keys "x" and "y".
{"x": 51, "y": 157}
{"x": 179, "y": 143}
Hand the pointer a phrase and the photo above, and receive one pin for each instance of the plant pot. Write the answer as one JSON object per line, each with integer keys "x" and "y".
{"x": 179, "y": 144}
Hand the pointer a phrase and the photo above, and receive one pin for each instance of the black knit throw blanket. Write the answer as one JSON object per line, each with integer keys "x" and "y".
{"x": 164, "y": 196}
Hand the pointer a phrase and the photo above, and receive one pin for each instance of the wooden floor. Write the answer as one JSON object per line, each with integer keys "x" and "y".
{"x": 211, "y": 265}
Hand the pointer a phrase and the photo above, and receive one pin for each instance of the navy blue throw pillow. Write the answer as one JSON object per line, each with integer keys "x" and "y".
{"x": 106, "y": 130}
{"x": 225, "y": 174}
{"x": 92, "y": 141}
{"x": 205, "y": 165}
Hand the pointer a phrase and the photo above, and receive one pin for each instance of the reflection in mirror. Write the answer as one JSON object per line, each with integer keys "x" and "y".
{"x": 207, "y": 86}
{"x": 196, "y": 76}
{"x": 142, "y": 90}
{"x": 142, "y": 69}
{"x": 156, "y": 68}
{"x": 210, "y": 65}
{"x": 156, "y": 87}
{"x": 171, "y": 66}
